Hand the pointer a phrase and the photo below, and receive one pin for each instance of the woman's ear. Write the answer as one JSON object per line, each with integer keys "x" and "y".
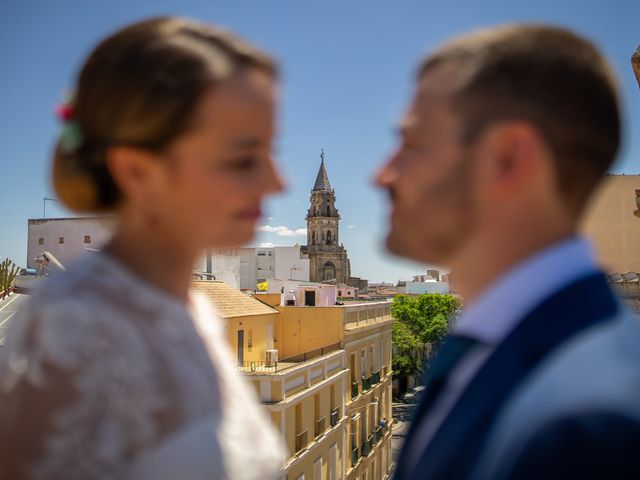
{"x": 135, "y": 171}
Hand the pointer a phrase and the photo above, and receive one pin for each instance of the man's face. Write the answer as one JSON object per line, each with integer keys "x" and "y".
{"x": 429, "y": 178}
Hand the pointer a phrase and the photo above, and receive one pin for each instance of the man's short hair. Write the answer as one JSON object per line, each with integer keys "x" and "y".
{"x": 549, "y": 77}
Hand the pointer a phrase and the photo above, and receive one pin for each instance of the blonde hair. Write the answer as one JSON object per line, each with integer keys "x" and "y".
{"x": 140, "y": 87}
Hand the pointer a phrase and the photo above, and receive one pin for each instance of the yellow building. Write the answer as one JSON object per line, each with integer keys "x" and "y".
{"x": 611, "y": 222}
{"x": 367, "y": 342}
{"x": 324, "y": 375}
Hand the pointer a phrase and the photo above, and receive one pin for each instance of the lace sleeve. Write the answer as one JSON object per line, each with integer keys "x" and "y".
{"x": 77, "y": 394}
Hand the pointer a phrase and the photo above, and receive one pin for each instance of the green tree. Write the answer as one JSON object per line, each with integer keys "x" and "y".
{"x": 419, "y": 322}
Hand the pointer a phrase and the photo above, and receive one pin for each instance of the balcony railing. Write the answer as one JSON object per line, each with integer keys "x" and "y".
{"x": 258, "y": 366}
{"x": 366, "y": 383}
{"x": 384, "y": 424}
{"x": 366, "y": 446}
{"x": 354, "y": 389}
{"x": 301, "y": 440}
{"x": 377, "y": 435}
{"x": 320, "y": 426}
{"x": 355, "y": 456}
{"x": 375, "y": 378}
{"x": 335, "y": 416}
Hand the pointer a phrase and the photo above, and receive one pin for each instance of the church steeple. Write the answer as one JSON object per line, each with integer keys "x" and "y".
{"x": 328, "y": 259}
{"x": 322, "y": 180}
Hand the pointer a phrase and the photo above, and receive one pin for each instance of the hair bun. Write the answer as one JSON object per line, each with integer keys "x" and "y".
{"x": 75, "y": 186}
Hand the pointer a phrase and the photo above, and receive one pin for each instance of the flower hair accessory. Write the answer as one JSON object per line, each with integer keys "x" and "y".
{"x": 71, "y": 136}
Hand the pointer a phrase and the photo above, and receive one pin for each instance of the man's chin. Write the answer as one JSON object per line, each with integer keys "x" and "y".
{"x": 415, "y": 251}
{"x": 397, "y": 245}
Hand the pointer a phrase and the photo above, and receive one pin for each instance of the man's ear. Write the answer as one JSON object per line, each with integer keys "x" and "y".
{"x": 512, "y": 156}
{"x": 134, "y": 171}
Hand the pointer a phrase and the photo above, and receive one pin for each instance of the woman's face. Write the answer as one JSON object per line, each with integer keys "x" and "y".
{"x": 215, "y": 177}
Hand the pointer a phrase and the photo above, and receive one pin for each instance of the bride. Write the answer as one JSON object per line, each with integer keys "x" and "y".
{"x": 115, "y": 369}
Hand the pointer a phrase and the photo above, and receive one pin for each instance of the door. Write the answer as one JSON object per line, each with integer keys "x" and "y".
{"x": 240, "y": 348}
{"x": 310, "y": 298}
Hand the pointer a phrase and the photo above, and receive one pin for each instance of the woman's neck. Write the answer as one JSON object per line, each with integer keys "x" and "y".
{"x": 154, "y": 258}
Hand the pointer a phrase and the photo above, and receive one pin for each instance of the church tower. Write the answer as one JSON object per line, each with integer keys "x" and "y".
{"x": 328, "y": 258}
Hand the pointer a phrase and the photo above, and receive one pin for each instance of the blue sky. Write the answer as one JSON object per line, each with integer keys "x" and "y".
{"x": 348, "y": 70}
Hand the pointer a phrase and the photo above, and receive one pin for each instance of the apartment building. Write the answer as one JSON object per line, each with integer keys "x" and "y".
{"x": 322, "y": 373}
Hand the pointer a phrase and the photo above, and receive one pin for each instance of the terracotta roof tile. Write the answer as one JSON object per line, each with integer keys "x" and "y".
{"x": 230, "y": 302}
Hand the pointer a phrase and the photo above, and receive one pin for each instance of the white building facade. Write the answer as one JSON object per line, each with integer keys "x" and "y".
{"x": 259, "y": 264}
{"x": 221, "y": 264}
{"x": 67, "y": 238}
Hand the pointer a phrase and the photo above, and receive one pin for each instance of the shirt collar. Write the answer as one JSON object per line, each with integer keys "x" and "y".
{"x": 497, "y": 311}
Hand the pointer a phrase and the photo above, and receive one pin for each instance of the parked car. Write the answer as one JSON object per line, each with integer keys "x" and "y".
{"x": 414, "y": 395}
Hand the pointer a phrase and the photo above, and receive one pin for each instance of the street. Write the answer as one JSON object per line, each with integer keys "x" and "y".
{"x": 402, "y": 414}
{"x": 8, "y": 307}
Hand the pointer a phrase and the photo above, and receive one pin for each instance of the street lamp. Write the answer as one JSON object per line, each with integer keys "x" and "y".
{"x": 44, "y": 205}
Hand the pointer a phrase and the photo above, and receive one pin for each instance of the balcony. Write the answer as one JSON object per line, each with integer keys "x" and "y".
{"x": 335, "y": 416}
{"x": 366, "y": 383}
{"x": 258, "y": 367}
{"x": 375, "y": 378}
{"x": 384, "y": 424}
{"x": 362, "y": 314}
{"x": 377, "y": 435}
{"x": 320, "y": 426}
{"x": 355, "y": 456}
{"x": 354, "y": 389}
{"x": 301, "y": 441}
{"x": 366, "y": 446}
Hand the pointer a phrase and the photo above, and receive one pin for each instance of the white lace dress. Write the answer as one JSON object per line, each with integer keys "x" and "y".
{"x": 104, "y": 377}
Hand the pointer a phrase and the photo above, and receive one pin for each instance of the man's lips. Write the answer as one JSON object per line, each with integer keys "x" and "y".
{"x": 253, "y": 214}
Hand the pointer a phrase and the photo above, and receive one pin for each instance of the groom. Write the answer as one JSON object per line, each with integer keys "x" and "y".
{"x": 509, "y": 132}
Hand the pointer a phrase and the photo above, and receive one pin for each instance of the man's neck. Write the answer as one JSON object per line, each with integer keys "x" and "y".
{"x": 488, "y": 256}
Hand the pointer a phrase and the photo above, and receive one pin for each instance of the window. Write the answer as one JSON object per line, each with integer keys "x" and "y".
{"x": 317, "y": 469}
{"x": 41, "y": 241}
{"x": 333, "y": 462}
{"x": 372, "y": 363}
{"x": 250, "y": 339}
{"x": 87, "y": 239}
{"x": 61, "y": 240}
{"x": 316, "y": 406}
{"x": 353, "y": 368}
{"x": 363, "y": 363}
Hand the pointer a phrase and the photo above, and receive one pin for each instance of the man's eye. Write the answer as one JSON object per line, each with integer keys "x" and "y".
{"x": 243, "y": 163}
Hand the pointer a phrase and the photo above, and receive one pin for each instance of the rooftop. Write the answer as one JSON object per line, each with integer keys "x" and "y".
{"x": 322, "y": 180}
{"x": 230, "y": 302}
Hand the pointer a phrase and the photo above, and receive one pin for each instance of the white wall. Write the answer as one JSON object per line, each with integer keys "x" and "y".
{"x": 223, "y": 263}
{"x": 45, "y": 235}
{"x": 247, "y": 268}
{"x": 417, "y": 288}
{"x": 289, "y": 265}
{"x": 264, "y": 263}
{"x": 326, "y": 295}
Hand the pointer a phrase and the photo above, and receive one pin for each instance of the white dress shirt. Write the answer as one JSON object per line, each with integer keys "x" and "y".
{"x": 493, "y": 315}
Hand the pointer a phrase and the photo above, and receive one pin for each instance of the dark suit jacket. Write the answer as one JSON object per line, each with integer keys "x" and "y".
{"x": 475, "y": 440}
